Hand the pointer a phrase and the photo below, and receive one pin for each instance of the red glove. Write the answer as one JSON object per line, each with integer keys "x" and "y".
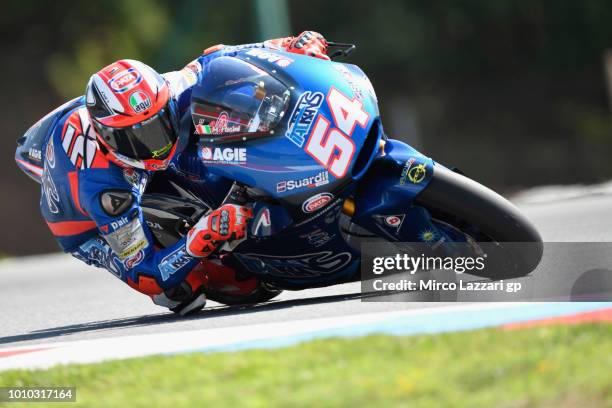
{"x": 226, "y": 223}
{"x": 308, "y": 43}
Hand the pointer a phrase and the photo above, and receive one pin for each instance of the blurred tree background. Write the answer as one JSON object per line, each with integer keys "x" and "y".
{"x": 512, "y": 92}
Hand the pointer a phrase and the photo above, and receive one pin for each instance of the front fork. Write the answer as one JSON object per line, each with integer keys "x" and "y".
{"x": 384, "y": 199}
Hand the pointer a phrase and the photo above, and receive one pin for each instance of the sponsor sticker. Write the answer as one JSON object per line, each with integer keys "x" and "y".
{"x": 318, "y": 180}
{"x": 173, "y": 262}
{"x": 50, "y": 192}
{"x": 316, "y": 202}
{"x": 133, "y": 249}
{"x": 330, "y": 214}
{"x": 261, "y": 223}
{"x": 303, "y": 265}
{"x": 125, "y": 80}
{"x": 155, "y": 166}
{"x": 139, "y": 101}
{"x": 428, "y": 235}
{"x": 221, "y": 125}
{"x": 303, "y": 116}
{"x": 228, "y": 155}
{"x": 50, "y": 154}
{"x": 128, "y": 239}
{"x": 115, "y": 225}
{"x": 134, "y": 260}
{"x": 350, "y": 79}
{"x": 132, "y": 162}
{"x": 318, "y": 237}
{"x": 97, "y": 252}
{"x": 35, "y": 154}
{"x": 207, "y": 153}
{"x": 412, "y": 173}
{"x": 161, "y": 152}
{"x": 154, "y": 225}
{"x": 262, "y": 54}
{"x": 392, "y": 221}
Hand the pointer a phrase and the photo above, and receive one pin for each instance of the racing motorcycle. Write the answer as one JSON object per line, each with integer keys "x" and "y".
{"x": 301, "y": 141}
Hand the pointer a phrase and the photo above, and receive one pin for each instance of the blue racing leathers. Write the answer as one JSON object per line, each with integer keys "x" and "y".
{"x": 92, "y": 206}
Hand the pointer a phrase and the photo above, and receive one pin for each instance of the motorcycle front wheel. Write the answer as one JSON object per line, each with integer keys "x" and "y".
{"x": 485, "y": 216}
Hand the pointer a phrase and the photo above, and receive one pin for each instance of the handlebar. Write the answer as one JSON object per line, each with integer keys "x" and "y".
{"x": 343, "y": 49}
{"x": 236, "y": 195}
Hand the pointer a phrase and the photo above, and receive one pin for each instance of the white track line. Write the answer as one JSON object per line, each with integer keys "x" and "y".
{"x": 88, "y": 351}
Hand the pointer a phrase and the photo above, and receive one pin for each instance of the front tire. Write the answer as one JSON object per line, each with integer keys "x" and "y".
{"x": 485, "y": 216}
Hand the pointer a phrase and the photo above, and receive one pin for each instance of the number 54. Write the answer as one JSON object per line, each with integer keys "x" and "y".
{"x": 333, "y": 148}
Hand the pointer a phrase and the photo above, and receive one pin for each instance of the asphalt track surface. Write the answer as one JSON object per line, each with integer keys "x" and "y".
{"x": 56, "y": 298}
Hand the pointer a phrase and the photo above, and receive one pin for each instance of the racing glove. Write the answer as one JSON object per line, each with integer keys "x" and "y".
{"x": 308, "y": 43}
{"x": 226, "y": 223}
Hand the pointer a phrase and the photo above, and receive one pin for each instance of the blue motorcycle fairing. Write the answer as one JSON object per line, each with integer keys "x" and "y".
{"x": 299, "y": 254}
{"x": 385, "y": 196}
{"x": 291, "y": 255}
{"x": 301, "y": 249}
{"x": 302, "y": 256}
{"x": 383, "y": 200}
{"x": 407, "y": 173}
{"x": 30, "y": 153}
{"x": 313, "y": 252}
{"x": 277, "y": 162}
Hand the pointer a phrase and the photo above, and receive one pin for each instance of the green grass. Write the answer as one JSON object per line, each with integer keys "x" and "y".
{"x": 558, "y": 366}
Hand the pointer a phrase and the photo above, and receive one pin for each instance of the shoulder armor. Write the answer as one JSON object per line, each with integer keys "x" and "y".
{"x": 116, "y": 202}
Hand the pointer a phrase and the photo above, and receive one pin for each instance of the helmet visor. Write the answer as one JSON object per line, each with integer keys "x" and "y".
{"x": 150, "y": 139}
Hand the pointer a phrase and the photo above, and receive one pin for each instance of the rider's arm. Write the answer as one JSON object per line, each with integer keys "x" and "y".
{"x": 308, "y": 43}
{"x": 128, "y": 242}
{"x": 114, "y": 205}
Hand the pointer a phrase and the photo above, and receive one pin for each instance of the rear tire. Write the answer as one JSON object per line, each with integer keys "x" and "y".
{"x": 485, "y": 216}
{"x": 262, "y": 294}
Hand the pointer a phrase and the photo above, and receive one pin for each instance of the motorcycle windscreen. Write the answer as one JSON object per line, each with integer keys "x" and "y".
{"x": 236, "y": 100}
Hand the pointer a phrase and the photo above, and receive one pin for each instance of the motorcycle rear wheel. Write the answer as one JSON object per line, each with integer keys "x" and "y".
{"x": 262, "y": 294}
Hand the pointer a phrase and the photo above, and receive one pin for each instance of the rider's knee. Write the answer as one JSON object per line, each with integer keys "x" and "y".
{"x": 184, "y": 295}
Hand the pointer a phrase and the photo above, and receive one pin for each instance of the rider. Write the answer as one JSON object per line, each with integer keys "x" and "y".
{"x": 99, "y": 155}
